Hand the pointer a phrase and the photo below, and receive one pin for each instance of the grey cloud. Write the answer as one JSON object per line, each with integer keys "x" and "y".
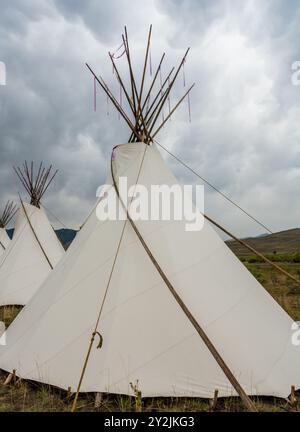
{"x": 244, "y": 135}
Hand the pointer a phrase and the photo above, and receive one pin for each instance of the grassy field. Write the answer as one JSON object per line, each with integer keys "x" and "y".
{"x": 30, "y": 396}
{"x": 284, "y": 290}
{"x": 34, "y": 397}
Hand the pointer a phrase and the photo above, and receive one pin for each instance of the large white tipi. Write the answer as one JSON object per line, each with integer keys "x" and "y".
{"x": 144, "y": 305}
{"x": 7, "y": 215}
{"x": 147, "y": 337}
{"x": 35, "y": 249}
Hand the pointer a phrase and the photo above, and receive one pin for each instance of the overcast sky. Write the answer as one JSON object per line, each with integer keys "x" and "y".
{"x": 245, "y": 131}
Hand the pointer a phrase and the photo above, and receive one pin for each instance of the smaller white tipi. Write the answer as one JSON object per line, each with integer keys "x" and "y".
{"x": 6, "y": 216}
{"x": 35, "y": 249}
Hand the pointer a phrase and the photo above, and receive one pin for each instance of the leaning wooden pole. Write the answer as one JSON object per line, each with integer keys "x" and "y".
{"x": 9, "y": 211}
{"x": 167, "y": 92}
{"x": 153, "y": 82}
{"x": 147, "y": 98}
{"x": 143, "y": 76}
{"x": 48, "y": 184}
{"x": 122, "y": 85}
{"x": 152, "y": 108}
{"x": 230, "y": 376}
{"x": 139, "y": 114}
{"x": 22, "y": 179}
{"x": 158, "y": 97}
{"x": 259, "y": 254}
{"x": 134, "y": 88}
{"x": 35, "y": 235}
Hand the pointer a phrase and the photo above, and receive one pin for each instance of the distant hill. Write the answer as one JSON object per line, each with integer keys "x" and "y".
{"x": 284, "y": 241}
{"x": 10, "y": 232}
{"x": 66, "y": 236}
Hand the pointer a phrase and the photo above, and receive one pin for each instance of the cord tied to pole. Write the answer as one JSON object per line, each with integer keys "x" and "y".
{"x": 100, "y": 343}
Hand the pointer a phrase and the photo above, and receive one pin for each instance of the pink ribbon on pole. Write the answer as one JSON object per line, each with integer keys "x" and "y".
{"x": 114, "y": 56}
{"x": 148, "y": 102}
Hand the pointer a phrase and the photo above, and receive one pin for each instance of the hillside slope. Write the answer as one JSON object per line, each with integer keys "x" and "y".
{"x": 284, "y": 241}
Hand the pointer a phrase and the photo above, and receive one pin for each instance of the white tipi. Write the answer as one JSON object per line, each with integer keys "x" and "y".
{"x": 146, "y": 336}
{"x": 7, "y": 215}
{"x": 143, "y": 305}
{"x": 34, "y": 249}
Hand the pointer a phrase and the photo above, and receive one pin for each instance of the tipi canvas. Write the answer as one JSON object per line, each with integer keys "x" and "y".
{"x": 7, "y": 215}
{"x": 32, "y": 254}
{"x": 4, "y": 240}
{"x": 146, "y": 337}
{"x": 143, "y": 306}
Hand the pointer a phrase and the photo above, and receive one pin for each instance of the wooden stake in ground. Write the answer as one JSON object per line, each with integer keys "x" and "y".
{"x": 98, "y": 400}
{"x": 213, "y": 402}
{"x": 11, "y": 378}
{"x": 292, "y": 400}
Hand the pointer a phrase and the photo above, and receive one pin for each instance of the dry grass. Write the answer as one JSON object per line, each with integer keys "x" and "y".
{"x": 284, "y": 290}
{"x": 281, "y": 242}
{"x": 29, "y": 396}
{"x": 9, "y": 313}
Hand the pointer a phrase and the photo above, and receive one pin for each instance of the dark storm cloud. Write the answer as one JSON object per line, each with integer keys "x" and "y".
{"x": 46, "y": 108}
{"x": 104, "y": 19}
{"x": 244, "y": 134}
